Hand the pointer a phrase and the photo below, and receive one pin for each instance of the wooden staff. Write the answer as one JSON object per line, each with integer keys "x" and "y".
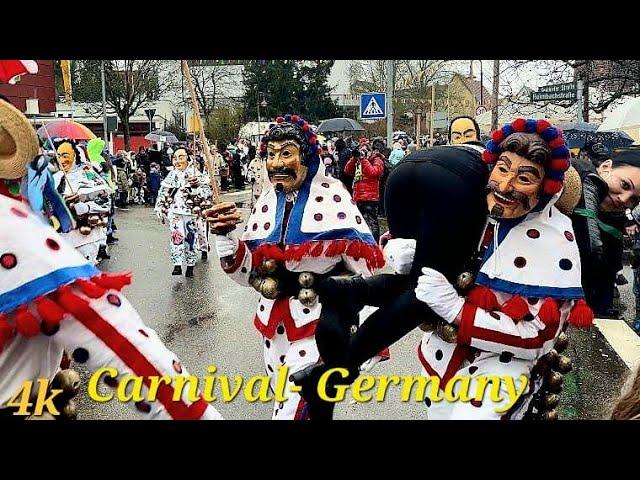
{"x": 207, "y": 152}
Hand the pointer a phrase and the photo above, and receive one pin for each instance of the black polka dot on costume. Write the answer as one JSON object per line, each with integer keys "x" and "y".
{"x": 476, "y": 403}
{"x": 505, "y": 357}
{"x": 19, "y": 213}
{"x": 262, "y": 308}
{"x": 49, "y": 330}
{"x": 306, "y": 311}
{"x": 342, "y": 215}
{"x": 520, "y": 262}
{"x": 270, "y": 368}
{"x": 52, "y": 244}
{"x": 243, "y": 269}
{"x": 276, "y": 413}
{"x": 325, "y": 184}
{"x": 302, "y": 353}
{"x": 8, "y": 261}
{"x": 281, "y": 405}
{"x": 254, "y": 227}
{"x": 427, "y": 401}
{"x": 337, "y": 198}
{"x": 177, "y": 366}
{"x": 282, "y": 358}
{"x": 267, "y": 225}
{"x": 254, "y": 210}
{"x": 80, "y": 355}
{"x": 267, "y": 343}
{"x": 438, "y": 354}
{"x": 528, "y": 317}
{"x": 495, "y": 315}
{"x": 317, "y": 217}
{"x": 568, "y": 235}
{"x": 110, "y": 381}
{"x": 473, "y": 369}
{"x": 280, "y": 329}
{"x": 143, "y": 407}
{"x": 319, "y": 198}
{"x": 265, "y": 208}
{"x": 532, "y": 300}
{"x": 358, "y": 219}
{"x": 114, "y": 300}
{"x": 533, "y": 233}
{"x": 142, "y": 332}
{"x": 565, "y": 264}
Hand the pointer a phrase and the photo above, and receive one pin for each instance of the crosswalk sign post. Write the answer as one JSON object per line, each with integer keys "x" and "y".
{"x": 373, "y": 106}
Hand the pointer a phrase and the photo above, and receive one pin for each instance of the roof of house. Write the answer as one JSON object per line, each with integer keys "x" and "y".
{"x": 473, "y": 86}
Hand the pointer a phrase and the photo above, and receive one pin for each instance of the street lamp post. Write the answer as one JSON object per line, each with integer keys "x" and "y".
{"x": 259, "y": 103}
{"x": 418, "y": 119}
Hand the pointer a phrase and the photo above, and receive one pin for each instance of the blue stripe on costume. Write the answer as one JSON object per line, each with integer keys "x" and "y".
{"x": 570, "y": 293}
{"x": 29, "y": 291}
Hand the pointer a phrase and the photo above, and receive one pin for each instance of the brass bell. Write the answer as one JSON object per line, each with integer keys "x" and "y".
{"x": 307, "y": 297}
{"x": 305, "y": 279}
{"x": 206, "y": 204}
{"x": 550, "y": 401}
{"x": 93, "y": 220}
{"x": 561, "y": 343}
{"x": 104, "y": 221}
{"x": 68, "y": 380}
{"x": 551, "y": 415}
{"x": 257, "y": 283}
{"x": 563, "y": 364}
{"x": 550, "y": 358}
{"x": 70, "y": 410}
{"x": 447, "y": 332}
{"x": 269, "y": 288}
{"x": 85, "y": 230}
{"x": 464, "y": 280}
{"x": 553, "y": 382}
{"x": 164, "y": 210}
{"x": 427, "y": 327}
{"x": 270, "y": 265}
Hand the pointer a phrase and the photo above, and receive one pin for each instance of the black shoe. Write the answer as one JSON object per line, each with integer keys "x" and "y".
{"x": 102, "y": 253}
{"x": 189, "y": 272}
{"x": 621, "y": 279}
{"x": 177, "y": 270}
{"x": 205, "y": 255}
{"x": 111, "y": 239}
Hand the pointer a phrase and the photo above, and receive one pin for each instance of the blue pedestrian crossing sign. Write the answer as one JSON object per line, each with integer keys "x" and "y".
{"x": 373, "y": 106}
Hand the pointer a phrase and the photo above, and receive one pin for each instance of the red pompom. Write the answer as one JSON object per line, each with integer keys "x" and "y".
{"x": 313, "y": 140}
{"x": 90, "y": 289}
{"x": 559, "y": 164}
{"x": 353, "y": 250}
{"x": 488, "y": 157}
{"x": 542, "y": 125}
{"x": 341, "y": 247}
{"x": 483, "y": 297}
{"x": 519, "y": 124}
{"x": 497, "y": 136}
{"x": 113, "y": 281}
{"x": 581, "y": 315}
{"x": 316, "y": 251}
{"x": 551, "y": 187}
{"x": 516, "y": 307}
{"x": 279, "y": 119}
{"x": 27, "y": 324}
{"x": 295, "y": 118}
{"x": 556, "y": 142}
{"x": 50, "y": 312}
{"x": 306, "y": 127}
{"x": 549, "y": 313}
{"x": 6, "y": 331}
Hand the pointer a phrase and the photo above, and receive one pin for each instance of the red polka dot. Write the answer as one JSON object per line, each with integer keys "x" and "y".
{"x": 337, "y": 198}
{"x": 8, "y": 261}
{"x": 143, "y": 407}
{"x": 569, "y": 236}
{"x": 317, "y": 217}
{"x": 302, "y": 353}
{"x": 476, "y": 403}
{"x": 18, "y": 213}
{"x": 52, "y": 244}
{"x": 319, "y": 198}
{"x": 520, "y": 262}
{"x": 495, "y": 315}
{"x": 114, "y": 300}
{"x": 265, "y": 208}
{"x": 177, "y": 366}
{"x": 342, "y": 215}
{"x": 533, "y": 233}
{"x": 267, "y": 225}
{"x": 142, "y": 332}
{"x": 254, "y": 227}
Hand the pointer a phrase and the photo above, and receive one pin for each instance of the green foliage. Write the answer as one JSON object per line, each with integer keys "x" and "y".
{"x": 223, "y": 124}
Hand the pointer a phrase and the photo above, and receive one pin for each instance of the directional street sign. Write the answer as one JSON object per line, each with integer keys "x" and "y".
{"x": 549, "y": 93}
{"x": 373, "y": 106}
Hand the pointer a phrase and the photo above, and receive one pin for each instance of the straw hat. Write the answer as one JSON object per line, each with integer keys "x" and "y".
{"x": 18, "y": 142}
{"x": 572, "y": 192}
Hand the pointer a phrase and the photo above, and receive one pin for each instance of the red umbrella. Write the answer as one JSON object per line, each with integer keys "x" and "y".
{"x": 65, "y": 129}
{"x": 10, "y": 69}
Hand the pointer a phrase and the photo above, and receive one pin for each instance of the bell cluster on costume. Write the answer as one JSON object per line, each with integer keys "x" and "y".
{"x": 68, "y": 381}
{"x": 194, "y": 202}
{"x": 311, "y": 137}
{"x": 560, "y": 154}
{"x": 85, "y": 220}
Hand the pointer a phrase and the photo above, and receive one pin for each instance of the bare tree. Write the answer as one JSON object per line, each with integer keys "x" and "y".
{"x": 212, "y": 84}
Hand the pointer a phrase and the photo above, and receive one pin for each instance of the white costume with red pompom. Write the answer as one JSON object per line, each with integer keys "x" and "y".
{"x": 52, "y": 299}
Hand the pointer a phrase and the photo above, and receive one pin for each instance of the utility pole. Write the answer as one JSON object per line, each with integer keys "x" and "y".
{"x": 104, "y": 104}
{"x": 389, "y": 68}
{"x": 433, "y": 98}
{"x": 496, "y": 92}
{"x": 579, "y": 104}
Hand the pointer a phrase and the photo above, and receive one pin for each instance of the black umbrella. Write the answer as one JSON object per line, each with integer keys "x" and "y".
{"x": 340, "y": 125}
{"x": 583, "y": 135}
{"x": 161, "y": 136}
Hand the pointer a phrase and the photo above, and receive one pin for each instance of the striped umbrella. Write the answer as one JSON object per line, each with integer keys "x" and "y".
{"x": 10, "y": 70}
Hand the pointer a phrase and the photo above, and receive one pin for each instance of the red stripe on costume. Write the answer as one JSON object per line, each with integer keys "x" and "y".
{"x": 458, "y": 357}
{"x": 238, "y": 259}
{"x": 299, "y": 410}
{"x": 129, "y": 354}
{"x": 466, "y": 322}
{"x": 280, "y": 312}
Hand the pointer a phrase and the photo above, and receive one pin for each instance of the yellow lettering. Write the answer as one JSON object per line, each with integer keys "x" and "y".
{"x": 449, "y": 392}
{"x": 181, "y": 380}
{"x": 155, "y": 382}
{"x": 46, "y": 402}
{"x": 363, "y": 384}
{"x": 227, "y": 395}
{"x": 135, "y": 394}
{"x": 483, "y": 381}
{"x": 92, "y": 387}
{"x": 385, "y": 380}
{"x": 24, "y": 392}
{"x": 209, "y": 381}
{"x": 263, "y": 391}
{"x": 513, "y": 393}
{"x": 340, "y": 389}
{"x": 422, "y": 381}
{"x": 282, "y": 376}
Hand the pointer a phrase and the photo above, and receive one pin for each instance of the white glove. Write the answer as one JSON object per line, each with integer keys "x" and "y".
{"x": 399, "y": 253}
{"x": 81, "y": 208}
{"x": 226, "y": 246}
{"x": 436, "y": 291}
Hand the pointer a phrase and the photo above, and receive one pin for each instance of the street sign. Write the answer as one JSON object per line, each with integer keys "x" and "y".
{"x": 480, "y": 109}
{"x": 373, "y": 106}
{"x": 112, "y": 123}
{"x": 561, "y": 91}
{"x": 150, "y": 112}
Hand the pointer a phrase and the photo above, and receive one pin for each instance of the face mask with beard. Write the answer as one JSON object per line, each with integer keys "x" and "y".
{"x": 514, "y": 186}
{"x": 284, "y": 165}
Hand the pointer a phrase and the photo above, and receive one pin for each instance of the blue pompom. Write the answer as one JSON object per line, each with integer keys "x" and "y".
{"x": 287, "y": 118}
{"x": 530, "y": 126}
{"x": 301, "y": 122}
{"x": 549, "y": 134}
{"x": 560, "y": 152}
{"x": 493, "y": 147}
{"x": 555, "y": 175}
{"x": 507, "y": 130}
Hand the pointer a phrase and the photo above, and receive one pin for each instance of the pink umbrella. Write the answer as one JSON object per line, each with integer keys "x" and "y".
{"x": 65, "y": 129}
{"x": 11, "y": 69}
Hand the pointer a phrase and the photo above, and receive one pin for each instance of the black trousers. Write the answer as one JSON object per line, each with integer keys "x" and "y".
{"x": 369, "y": 211}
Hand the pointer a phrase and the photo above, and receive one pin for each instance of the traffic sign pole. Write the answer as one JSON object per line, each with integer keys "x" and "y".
{"x": 389, "y": 101}
{"x": 579, "y": 101}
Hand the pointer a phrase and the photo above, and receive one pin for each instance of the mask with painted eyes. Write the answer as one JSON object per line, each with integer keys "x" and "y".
{"x": 66, "y": 156}
{"x": 514, "y": 186}
{"x": 463, "y": 130}
{"x": 284, "y": 165}
{"x": 181, "y": 159}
